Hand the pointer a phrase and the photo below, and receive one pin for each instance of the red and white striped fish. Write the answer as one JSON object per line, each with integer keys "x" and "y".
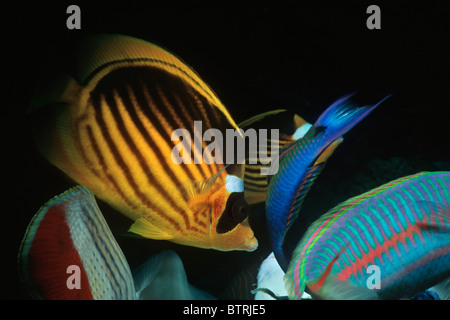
{"x": 69, "y": 253}
{"x": 69, "y": 236}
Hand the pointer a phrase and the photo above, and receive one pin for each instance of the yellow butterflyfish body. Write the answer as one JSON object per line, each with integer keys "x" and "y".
{"x": 111, "y": 128}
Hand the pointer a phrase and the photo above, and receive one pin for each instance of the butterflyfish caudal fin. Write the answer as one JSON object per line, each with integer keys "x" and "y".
{"x": 162, "y": 277}
{"x": 69, "y": 252}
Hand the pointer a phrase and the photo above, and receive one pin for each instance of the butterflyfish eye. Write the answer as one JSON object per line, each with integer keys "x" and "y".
{"x": 240, "y": 209}
{"x": 235, "y": 212}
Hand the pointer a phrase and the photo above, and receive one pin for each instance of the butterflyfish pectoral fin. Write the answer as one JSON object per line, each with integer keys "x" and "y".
{"x": 146, "y": 229}
{"x": 195, "y": 188}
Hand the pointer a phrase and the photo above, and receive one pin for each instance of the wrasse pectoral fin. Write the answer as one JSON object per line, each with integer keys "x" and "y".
{"x": 437, "y": 216}
{"x": 146, "y": 229}
{"x": 343, "y": 290}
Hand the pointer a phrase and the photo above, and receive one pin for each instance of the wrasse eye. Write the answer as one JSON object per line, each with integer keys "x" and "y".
{"x": 235, "y": 212}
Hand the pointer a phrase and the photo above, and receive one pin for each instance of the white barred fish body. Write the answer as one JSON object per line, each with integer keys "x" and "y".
{"x": 110, "y": 129}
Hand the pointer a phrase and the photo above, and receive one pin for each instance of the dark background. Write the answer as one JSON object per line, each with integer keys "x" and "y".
{"x": 298, "y": 55}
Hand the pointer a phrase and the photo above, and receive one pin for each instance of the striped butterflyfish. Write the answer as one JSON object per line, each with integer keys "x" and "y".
{"x": 109, "y": 126}
{"x": 69, "y": 253}
{"x": 388, "y": 243}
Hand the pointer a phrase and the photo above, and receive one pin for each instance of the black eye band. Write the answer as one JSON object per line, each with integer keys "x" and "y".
{"x": 235, "y": 212}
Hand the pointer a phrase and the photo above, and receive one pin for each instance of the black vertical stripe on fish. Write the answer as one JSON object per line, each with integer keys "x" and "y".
{"x": 102, "y": 163}
{"x": 112, "y": 103}
{"x": 131, "y": 108}
{"x": 120, "y": 161}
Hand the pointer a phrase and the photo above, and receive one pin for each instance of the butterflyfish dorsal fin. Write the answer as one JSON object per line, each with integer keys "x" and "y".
{"x": 101, "y": 54}
{"x": 69, "y": 236}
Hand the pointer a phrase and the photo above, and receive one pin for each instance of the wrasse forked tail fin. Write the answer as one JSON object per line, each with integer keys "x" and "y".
{"x": 300, "y": 163}
{"x": 342, "y": 116}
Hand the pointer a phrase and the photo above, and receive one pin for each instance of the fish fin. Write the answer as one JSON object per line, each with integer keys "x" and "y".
{"x": 148, "y": 230}
{"x": 328, "y": 286}
{"x": 162, "y": 277}
{"x": 302, "y": 190}
{"x": 256, "y": 182}
{"x": 335, "y": 289}
{"x": 52, "y": 129}
{"x": 442, "y": 289}
{"x": 269, "y": 293}
{"x": 100, "y": 54}
{"x": 69, "y": 231}
{"x": 323, "y": 276}
{"x": 195, "y": 188}
{"x": 61, "y": 89}
{"x": 341, "y": 116}
{"x": 259, "y": 117}
{"x": 437, "y": 216}
{"x": 270, "y": 280}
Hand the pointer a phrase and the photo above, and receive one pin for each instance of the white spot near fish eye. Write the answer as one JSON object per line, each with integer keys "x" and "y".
{"x": 301, "y": 131}
{"x": 234, "y": 184}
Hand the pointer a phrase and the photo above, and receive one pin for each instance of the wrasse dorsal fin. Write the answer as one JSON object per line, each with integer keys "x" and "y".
{"x": 195, "y": 188}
